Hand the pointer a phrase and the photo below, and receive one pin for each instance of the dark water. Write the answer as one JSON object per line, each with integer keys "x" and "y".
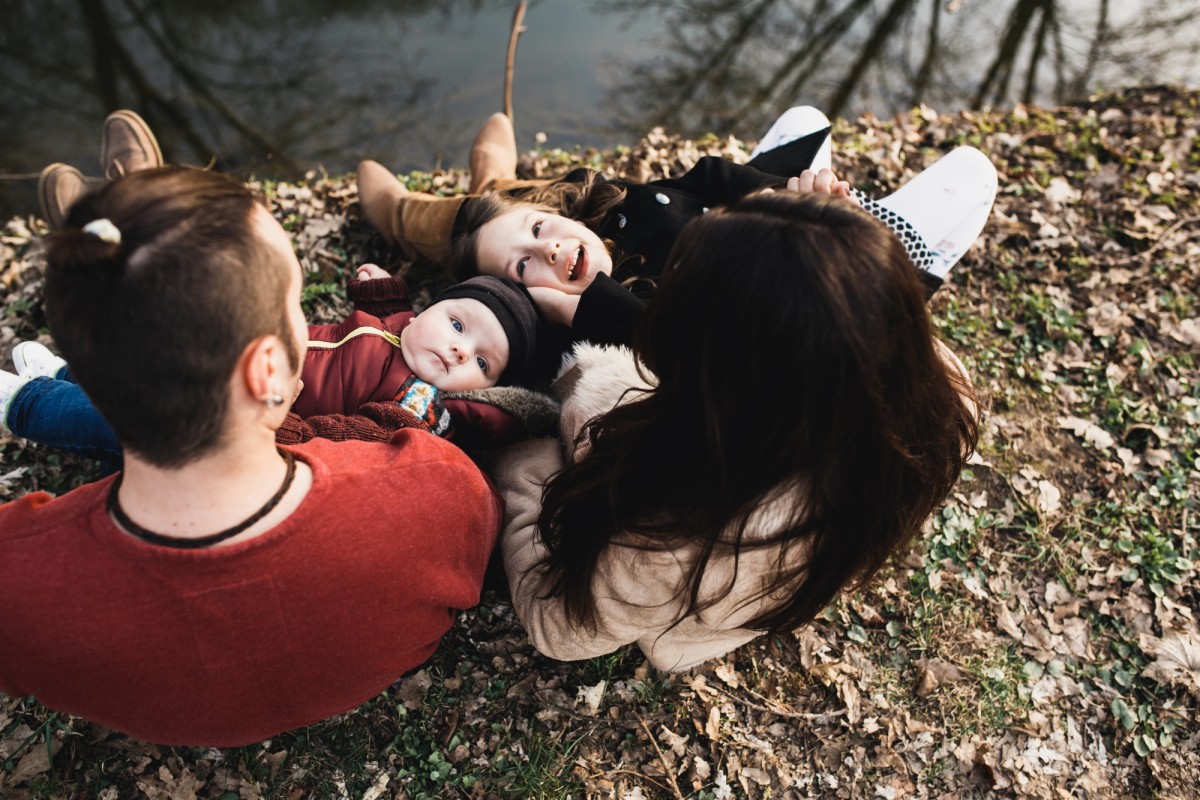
{"x": 279, "y": 88}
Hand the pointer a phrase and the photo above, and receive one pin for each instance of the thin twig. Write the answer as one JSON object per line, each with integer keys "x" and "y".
{"x": 510, "y": 58}
{"x": 822, "y": 717}
{"x": 635, "y": 773}
{"x": 1161, "y": 241}
{"x": 662, "y": 759}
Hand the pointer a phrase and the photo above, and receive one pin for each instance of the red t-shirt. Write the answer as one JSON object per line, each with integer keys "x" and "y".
{"x": 231, "y": 645}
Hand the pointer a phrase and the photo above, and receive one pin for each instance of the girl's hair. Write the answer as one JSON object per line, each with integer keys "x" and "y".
{"x": 794, "y": 355}
{"x": 153, "y": 325}
{"x": 587, "y": 201}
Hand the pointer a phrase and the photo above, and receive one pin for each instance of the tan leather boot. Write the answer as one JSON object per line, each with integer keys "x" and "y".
{"x": 59, "y": 186}
{"x": 419, "y": 223}
{"x": 424, "y": 222}
{"x": 379, "y": 194}
{"x": 127, "y": 145}
{"x": 494, "y": 153}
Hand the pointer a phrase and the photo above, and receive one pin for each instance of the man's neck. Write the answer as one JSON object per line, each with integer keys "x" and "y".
{"x": 213, "y": 493}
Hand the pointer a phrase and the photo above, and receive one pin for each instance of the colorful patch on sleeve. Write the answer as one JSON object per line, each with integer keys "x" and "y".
{"x": 425, "y": 402}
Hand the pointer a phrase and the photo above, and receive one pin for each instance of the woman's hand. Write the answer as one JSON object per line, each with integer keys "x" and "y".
{"x": 823, "y": 182}
{"x": 370, "y": 272}
{"x": 558, "y": 307}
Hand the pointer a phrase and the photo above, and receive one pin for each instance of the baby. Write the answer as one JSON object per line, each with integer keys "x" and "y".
{"x": 475, "y": 335}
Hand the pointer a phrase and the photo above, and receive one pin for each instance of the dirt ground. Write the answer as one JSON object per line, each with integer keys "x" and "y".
{"x": 1040, "y": 641}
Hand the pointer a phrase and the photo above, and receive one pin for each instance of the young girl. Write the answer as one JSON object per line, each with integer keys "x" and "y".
{"x": 790, "y": 430}
{"x": 592, "y": 249}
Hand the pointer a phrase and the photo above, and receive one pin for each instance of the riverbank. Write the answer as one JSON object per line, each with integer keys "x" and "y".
{"x": 1041, "y": 641}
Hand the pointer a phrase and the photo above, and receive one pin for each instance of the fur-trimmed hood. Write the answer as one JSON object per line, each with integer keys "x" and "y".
{"x": 595, "y": 379}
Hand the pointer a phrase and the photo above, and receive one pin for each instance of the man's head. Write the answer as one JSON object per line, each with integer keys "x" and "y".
{"x": 181, "y": 272}
{"x": 474, "y": 335}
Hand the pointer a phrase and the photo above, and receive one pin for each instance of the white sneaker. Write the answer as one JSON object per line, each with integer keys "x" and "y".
{"x": 793, "y": 124}
{"x": 34, "y": 360}
{"x": 9, "y": 383}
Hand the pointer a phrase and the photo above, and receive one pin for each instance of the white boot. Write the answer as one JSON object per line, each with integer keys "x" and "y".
{"x": 944, "y": 207}
{"x": 792, "y": 124}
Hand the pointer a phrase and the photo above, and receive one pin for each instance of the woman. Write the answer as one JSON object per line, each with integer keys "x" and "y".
{"x": 791, "y": 429}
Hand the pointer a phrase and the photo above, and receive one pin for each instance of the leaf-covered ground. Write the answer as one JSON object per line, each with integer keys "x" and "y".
{"x": 1041, "y": 641}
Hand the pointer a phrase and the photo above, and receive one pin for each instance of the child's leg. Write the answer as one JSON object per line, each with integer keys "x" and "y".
{"x": 59, "y": 414}
{"x": 424, "y": 222}
{"x": 948, "y": 203}
{"x": 493, "y": 154}
{"x": 420, "y": 223}
{"x": 793, "y": 124}
{"x": 944, "y": 207}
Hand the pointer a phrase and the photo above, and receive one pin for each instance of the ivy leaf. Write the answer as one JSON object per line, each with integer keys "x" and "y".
{"x": 1124, "y": 714}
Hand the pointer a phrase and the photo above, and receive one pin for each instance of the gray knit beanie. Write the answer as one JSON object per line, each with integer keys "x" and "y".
{"x": 518, "y": 315}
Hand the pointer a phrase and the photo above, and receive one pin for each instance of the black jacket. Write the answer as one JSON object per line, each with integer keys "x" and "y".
{"x": 645, "y": 225}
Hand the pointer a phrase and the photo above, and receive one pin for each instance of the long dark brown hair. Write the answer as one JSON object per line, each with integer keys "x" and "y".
{"x": 587, "y": 201}
{"x": 794, "y": 355}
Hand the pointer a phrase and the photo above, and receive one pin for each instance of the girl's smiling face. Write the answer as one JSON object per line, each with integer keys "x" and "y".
{"x": 538, "y": 248}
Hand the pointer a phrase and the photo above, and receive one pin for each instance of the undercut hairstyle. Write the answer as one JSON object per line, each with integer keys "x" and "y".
{"x": 588, "y": 201}
{"x": 153, "y": 326}
{"x": 795, "y": 358}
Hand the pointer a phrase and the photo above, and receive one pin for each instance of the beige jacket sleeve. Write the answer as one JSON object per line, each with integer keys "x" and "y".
{"x": 634, "y": 588}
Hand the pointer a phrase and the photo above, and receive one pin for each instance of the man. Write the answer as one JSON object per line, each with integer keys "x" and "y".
{"x": 220, "y": 590}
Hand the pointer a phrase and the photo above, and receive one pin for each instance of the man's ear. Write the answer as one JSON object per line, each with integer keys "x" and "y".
{"x": 264, "y": 368}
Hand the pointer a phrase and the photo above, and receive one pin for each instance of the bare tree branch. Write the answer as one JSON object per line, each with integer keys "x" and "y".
{"x": 1000, "y": 70}
{"x": 511, "y": 56}
{"x": 869, "y": 52}
{"x": 932, "y": 47}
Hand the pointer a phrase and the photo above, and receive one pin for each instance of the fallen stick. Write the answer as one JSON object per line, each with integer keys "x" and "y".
{"x": 514, "y": 34}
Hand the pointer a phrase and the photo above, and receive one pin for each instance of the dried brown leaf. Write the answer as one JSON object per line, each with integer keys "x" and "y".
{"x": 1177, "y": 659}
{"x": 34, "y": 763}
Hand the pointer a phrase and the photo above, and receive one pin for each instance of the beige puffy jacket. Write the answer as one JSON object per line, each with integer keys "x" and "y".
{"x": 640, "y": 593}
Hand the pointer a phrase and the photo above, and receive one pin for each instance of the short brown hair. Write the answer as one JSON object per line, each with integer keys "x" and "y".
{"x": 153, "y": 326}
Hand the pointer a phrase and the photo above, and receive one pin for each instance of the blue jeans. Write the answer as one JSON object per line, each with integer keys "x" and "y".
{"x": 56, "y": 412}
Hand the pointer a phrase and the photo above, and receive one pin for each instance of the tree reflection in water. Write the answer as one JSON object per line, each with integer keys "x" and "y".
{"x": 236, "y": 83}
{"x": 266, "y": 87}
{"x": 734, "y": 66}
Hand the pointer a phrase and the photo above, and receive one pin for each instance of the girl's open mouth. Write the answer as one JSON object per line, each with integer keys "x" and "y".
{"x": 577, "y": 267}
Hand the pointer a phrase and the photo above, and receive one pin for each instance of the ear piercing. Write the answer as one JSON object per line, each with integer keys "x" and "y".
{"x": 274, "y": 401}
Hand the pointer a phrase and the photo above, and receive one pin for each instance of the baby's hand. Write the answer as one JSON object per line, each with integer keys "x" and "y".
{"x": 556, "y": 306}
{"x": 824, "y": 182}
{"x": 370, "y": 272}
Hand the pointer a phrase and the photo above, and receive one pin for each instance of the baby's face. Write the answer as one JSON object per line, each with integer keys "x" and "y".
{"x": 539, "y": 249}
{"x": 456, "y": 345}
